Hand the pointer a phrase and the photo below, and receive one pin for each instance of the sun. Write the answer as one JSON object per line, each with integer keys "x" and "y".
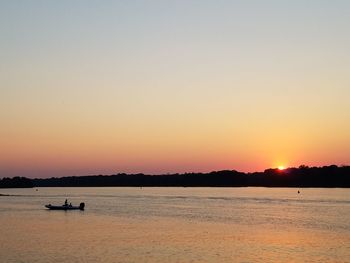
{"x": 281, "y": 168}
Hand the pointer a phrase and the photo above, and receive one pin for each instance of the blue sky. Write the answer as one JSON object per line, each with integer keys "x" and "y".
{"x": 156, "y": 86}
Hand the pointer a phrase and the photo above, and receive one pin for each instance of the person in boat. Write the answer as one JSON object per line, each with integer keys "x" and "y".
{"x": 70, "y": 204}
{"x": 66, "y": 203}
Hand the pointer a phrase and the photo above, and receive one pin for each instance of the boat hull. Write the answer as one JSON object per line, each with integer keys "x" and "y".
{"x": 63, "y": 207}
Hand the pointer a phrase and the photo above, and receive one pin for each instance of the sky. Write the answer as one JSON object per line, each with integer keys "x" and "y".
{"x": 102, "y": 87}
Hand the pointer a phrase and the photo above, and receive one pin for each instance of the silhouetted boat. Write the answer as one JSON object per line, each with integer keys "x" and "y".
{"x": 65, "y": 207}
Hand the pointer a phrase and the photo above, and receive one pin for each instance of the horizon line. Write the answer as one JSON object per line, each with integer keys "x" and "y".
{"x": 192, "y": 172}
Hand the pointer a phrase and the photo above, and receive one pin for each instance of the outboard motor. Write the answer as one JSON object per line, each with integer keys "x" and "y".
{"x": 81, "y": 206}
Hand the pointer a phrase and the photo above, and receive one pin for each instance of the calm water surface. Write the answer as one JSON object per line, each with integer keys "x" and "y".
{"x": 176, "y": 225}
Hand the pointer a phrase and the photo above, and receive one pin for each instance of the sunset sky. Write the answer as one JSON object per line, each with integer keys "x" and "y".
{"x": 101, "y": 87}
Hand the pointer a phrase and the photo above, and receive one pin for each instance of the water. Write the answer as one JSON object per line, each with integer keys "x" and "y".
{"x": 176, "y": 225}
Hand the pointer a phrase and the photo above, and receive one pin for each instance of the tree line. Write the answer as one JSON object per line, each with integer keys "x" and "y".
{"x": 303, "y": 176}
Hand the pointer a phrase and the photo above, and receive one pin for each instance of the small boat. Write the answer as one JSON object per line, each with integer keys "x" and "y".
{"x": 65, "y": 207}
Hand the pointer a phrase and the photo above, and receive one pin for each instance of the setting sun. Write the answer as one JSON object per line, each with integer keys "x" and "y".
{"x": 281, "y": 167}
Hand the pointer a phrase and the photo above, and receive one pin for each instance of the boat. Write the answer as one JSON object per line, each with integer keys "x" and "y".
{"x": 65, "y": 207}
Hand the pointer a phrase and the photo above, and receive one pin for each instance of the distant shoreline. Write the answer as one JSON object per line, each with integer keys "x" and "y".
{"x": 319, "y": 177}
